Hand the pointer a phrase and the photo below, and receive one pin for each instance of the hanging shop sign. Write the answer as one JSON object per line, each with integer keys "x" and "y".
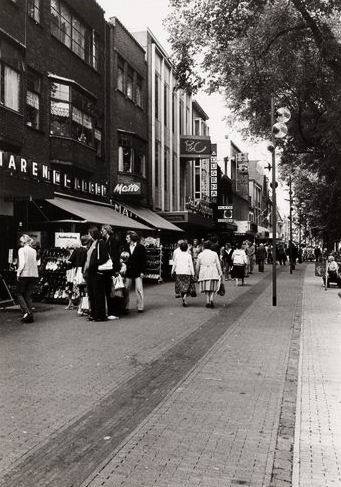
{"x": 128, "y": 189}
{"x": 27, "y": 169}
{"x": 195, "y": 146}
{"x": 202, "y": 207}
{"x": 67, "y": 240}
{"x": 214, "y": 175}
{"x": 225, "y": 214}
{"x": 242, "y": 159}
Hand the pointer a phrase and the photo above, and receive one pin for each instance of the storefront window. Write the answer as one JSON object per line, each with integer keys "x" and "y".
{"x": 33, "y": 9}
{"x": 33, "y": 100}
{"x": 71, "y": 31}
{"x": 9, "y": 87}
{"x": 72, "y": 115}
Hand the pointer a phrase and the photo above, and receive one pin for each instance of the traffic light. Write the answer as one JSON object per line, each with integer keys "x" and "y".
{"x": 279, "y": 129}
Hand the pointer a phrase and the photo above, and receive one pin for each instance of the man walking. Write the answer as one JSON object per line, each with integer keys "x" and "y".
{"x": 136, "y": 266}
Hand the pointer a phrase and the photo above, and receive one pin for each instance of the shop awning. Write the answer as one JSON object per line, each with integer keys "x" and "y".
{"x": 152, "y": 219}
{"x": 93, "y": 212}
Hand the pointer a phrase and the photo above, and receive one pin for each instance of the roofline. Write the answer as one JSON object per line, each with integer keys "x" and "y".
{"x": 112, "y": 22}
{"x": 158, "y": 44}
{"x": 199, "y": 109}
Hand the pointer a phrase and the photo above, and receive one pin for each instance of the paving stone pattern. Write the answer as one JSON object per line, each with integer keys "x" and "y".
{"x": 57, "y": 371}
{"x": 317, "y": 456}
{"x": 219, "y": 426}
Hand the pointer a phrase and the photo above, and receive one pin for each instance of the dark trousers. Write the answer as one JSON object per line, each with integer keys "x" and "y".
{"x": 96, "y": 291}
{"x": 110, "y": 301}
{"x": 260, "y": 265}
{"x": 25, "y": 289}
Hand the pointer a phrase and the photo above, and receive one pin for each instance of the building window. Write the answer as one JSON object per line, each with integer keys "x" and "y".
{"x": 197, "y": 126}
{"x": 33, "y": 100}
{"x": 166, "y": 103}
{"x": 157, "y": 96}
{"x": 130, "y": 83}
{"x": 139, "y": 95}
{"x": 71, "y": 31}
{"x": 131, "y": 155}
{"x": 197, "y": 180}
{"x": 120, "y": 74}
{"x": 98, "y": 142}
{"x": 72, "y": 114}
{"x": 33, "y": 9}
{"x": 157, "y": 163}
{"x": 166, "y": 167}
{"x": 9, "y": 87}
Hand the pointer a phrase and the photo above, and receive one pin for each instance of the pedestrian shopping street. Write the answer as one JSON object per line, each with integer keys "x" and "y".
{"x": 177, "y": 397}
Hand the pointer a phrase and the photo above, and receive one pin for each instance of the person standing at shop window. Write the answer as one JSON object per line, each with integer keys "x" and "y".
{"x": 136, "y": 266}
{"x": 95, "y": 280}
{"x": 113, "y": 250}
{"x": 27, "y": 275}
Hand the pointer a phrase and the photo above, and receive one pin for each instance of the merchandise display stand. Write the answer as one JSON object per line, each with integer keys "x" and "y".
{"x": 154, "y": 263}
{"x": 52, "y": 286}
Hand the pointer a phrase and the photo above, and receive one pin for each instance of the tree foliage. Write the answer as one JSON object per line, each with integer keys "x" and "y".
{"x": 253, "y": 49}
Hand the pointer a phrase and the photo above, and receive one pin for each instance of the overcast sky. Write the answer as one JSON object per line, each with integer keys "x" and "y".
{"x": 137, "y": 15}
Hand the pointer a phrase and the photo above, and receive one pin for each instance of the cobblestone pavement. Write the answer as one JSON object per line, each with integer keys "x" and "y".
{"x": 317, "y": 453}
{"x": 172, "y": 397}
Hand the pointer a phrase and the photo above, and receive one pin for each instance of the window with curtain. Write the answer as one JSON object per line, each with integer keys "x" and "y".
{"x": 131, "y": 155}
{"x": 130, "y": 83}
{"x": 73, "y": 33}
{"x": 139, "y": 95}
{"x": 72, "y": 115}
{"x": 33, "y": 9}
{"x": 33, "y": 99}
{"x": 9, "y": 87}
{"x": 120, "y": 74}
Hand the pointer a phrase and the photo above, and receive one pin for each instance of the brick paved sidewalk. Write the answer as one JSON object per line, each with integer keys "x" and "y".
{"x": 317, "y": 457}
{"x": 219, "y": 426}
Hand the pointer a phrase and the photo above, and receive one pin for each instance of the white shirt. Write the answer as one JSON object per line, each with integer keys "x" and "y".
{"x": 132, "y": 247}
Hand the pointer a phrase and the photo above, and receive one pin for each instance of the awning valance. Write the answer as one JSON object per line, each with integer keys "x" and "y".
{"x": 91, "y": 211}
{"x": 152, "y": 219}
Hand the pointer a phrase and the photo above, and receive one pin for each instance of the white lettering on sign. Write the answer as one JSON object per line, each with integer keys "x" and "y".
{"x": 195, "y": 147}
{"x": 133, "y": 188}
{"x": 11, "y": 164}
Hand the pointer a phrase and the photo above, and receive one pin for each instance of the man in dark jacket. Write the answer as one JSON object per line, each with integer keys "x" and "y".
{"x": 136, "y": 267}
{"x": 113, "y": 250}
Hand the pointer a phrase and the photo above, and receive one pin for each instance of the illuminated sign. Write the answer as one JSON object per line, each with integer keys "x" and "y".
{"x": 195, "y": 146}
{"x": 128, "y": 189}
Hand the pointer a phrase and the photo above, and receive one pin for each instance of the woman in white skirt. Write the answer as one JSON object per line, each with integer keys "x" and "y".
{"x": 209, "y": 273}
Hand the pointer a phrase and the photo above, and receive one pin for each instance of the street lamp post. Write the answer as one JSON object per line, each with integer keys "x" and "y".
{"x": 274, "y": 207}
{"x": 290, "y": 226}
{"x": 278, "y": 131}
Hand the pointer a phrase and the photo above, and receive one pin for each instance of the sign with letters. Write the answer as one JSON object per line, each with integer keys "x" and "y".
{"x": 195, "y": 146}
{"x": 67, "y": 240}
{"x": 214, "y": 174}
{"x": 128, "y": 189}
{"x": 17, "y": 165}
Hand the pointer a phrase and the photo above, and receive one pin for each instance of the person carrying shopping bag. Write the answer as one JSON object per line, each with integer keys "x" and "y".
{"x": 209, "y": 273}
{"x": 183, "y": 270}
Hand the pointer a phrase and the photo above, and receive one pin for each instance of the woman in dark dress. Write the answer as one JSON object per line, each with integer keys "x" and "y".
{"x": 95, "y": 280}
{"x": 113, "y": 250}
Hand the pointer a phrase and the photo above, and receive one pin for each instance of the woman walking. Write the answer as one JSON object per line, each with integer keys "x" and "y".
{"x": 136, "y": 267}
{"x": 27, "y": 275}
{"x": 95, "y": 280}
{"x": 184, "y": 272}
{"x": 239, "y": 263}
{"x": 112, "y": 248}
{"x": 77, "y": 282}
{"x": 209, "y": 273}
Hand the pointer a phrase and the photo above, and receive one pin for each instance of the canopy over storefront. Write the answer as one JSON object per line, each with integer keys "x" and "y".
{"x": 152, "y": 219}
{"x": 93, "y": 212}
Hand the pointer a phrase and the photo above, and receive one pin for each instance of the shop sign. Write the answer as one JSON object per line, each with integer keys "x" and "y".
{"x": 14, "y": 164}
{"x": 128, "y": 189}
{"x": 214, "y": 175}
{"x": 124, "y": 211}
{"x": 202, "y": 207}
{"x": 195, "y": 146}
{"x": 67, "y": 240}
{"x": 242, "y": 159}
{"x": 226, "y": 214}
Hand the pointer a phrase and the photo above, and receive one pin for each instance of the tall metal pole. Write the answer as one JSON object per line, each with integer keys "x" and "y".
{"x": 274, "y": 208}
{"x": 290, "y": 216}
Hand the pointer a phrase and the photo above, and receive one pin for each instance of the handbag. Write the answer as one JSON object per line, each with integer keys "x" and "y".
{"x": 221, "y": 290}
{"x": 85, "y": 303}
{"x": 107, "y": 266}
{"x": 117, "y": 287}
{"x": 78, "y": 277}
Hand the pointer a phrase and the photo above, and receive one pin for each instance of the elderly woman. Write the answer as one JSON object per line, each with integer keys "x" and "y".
{"x": 184, "y": 272}
{"x": 209, "y": 273}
